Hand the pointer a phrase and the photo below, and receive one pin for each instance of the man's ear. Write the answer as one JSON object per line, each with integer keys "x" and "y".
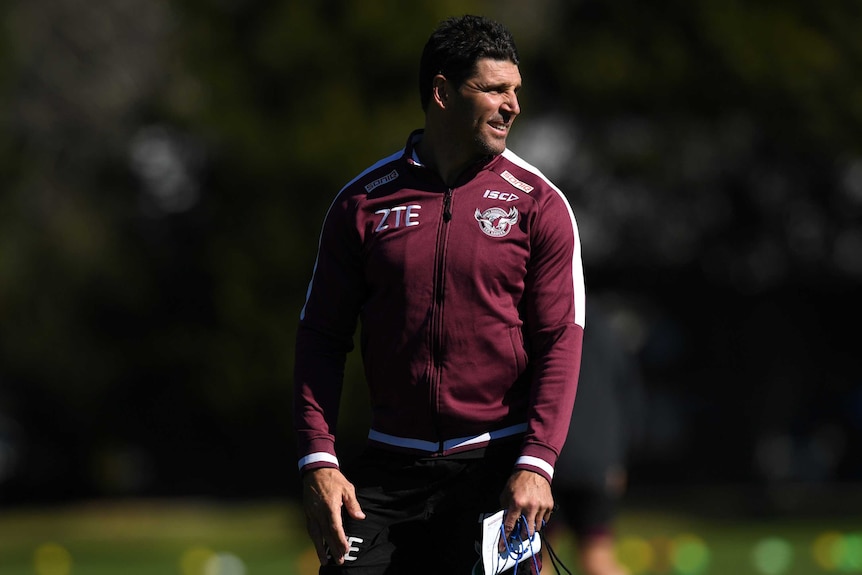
{"x": 438, "y": 91}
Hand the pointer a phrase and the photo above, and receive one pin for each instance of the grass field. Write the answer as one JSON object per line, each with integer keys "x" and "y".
{"x": 211, "y": 538}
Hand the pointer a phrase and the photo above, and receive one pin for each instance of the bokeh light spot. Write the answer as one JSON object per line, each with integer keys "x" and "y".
{"x": 689, "y": 554}
{"x": 636, "y": 554}
{"x": 52, "y": 559}
{"x": 194, "y": 561}
{"x": 827, "y": 550}
{"x": 224, "y": 564}
{"x": 851, "y": 553}
{"x": 772, "y": 556}
{"x": 661, "y": 546}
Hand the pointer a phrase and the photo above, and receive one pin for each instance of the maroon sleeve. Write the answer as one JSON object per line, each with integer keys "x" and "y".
{"x": 554, "y": 320}
{"x": 327, "y": 324}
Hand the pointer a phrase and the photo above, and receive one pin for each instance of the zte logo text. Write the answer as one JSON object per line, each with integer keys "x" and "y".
{"x": 351, "y": 548}
{"x": 397, "y": 217}
{"x": 495, "y": 195}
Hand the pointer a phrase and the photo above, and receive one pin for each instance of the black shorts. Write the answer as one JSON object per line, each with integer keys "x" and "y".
{"x": 423, "y": 516}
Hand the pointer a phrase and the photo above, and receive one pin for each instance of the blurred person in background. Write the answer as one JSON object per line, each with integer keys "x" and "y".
{"x": 462, "y": 264}
{"x": 607, "y": 420}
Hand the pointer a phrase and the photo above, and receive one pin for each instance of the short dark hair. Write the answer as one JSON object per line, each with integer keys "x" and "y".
{"x": 455, "y": 46}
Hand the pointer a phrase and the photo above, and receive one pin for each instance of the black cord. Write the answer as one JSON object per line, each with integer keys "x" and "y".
{"x": 555, "y": 559}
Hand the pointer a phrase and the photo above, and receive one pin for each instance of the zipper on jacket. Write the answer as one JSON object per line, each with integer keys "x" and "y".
{"x": 437, "y": 316}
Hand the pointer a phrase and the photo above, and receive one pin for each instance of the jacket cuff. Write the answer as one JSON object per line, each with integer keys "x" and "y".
{"x": 317, "y": 460}
{"x": 538, "y": 459}
{"x": 535, "y": 465}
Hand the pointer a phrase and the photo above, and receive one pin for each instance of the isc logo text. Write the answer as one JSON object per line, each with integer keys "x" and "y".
{"x": 504, "y": 196}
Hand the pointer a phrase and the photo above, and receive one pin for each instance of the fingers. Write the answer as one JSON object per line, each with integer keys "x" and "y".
{"x": 335, "y": 536}
{"x": 317, "y": 538}
{"x": 517, "y": 526}
{"x": 510, "y": 521}
{"x": 327, "y": 535}
{"x": 529, "y": 524}
{"x": 529, "y": 495}
{"x": 326, "y": 492}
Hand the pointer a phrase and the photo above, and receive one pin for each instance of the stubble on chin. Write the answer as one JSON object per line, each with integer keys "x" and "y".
{"x": 489, "y": 146}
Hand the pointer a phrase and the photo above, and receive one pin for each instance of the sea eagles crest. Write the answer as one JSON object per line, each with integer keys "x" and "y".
{"x": 496, "y": 222}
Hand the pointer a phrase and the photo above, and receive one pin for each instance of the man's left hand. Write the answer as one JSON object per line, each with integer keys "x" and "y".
{"x": 528, "y": 494}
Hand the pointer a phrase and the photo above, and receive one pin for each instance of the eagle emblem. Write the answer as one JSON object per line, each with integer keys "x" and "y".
{"x": 496, "y": 222}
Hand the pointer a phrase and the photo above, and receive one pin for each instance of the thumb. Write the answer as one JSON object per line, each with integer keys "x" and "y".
{"x": 352, "y": 507}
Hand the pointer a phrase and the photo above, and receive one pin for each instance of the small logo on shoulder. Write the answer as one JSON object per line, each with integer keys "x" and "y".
{"x": 380, "y": 181}
{"x": 506, "y": 175}
{"x": 496, "y": 222}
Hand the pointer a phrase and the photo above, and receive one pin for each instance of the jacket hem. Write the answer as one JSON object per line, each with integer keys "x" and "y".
{"x": 448, "y": 445}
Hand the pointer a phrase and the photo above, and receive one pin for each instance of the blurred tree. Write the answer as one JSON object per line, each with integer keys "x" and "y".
{"x": 712, "y": 153}
{"x": 165, "y": 168}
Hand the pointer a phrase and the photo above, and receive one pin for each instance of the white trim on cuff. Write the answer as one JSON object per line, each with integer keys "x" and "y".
{"x": 536, "y": 462}
{"x": 316, "y": 457}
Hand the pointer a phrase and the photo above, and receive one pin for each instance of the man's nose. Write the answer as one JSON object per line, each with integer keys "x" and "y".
{"x": 511, "y": 104}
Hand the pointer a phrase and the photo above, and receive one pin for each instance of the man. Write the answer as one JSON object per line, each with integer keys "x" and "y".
{"x": 606, "y": 426}
{"x": 462, "y": 263}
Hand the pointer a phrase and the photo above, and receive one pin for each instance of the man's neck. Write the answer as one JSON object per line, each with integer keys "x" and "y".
{"x": 447, "y": 162}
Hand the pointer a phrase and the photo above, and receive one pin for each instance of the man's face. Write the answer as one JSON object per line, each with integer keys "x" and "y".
{"x": 485, "y": 106}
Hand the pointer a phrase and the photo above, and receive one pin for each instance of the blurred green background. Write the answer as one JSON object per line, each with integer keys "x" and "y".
{"x": 201, "y": 537}
{"x": 164, "y": 170}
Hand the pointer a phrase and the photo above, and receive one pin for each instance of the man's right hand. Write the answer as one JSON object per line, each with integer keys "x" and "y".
{"x": 324, "y": 492}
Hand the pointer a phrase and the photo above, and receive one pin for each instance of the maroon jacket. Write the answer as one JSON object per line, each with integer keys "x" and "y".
{"x": 471, "y": 301}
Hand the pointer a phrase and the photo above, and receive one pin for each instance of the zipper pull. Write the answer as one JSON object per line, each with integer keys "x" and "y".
{"x": 447, "y": 205}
